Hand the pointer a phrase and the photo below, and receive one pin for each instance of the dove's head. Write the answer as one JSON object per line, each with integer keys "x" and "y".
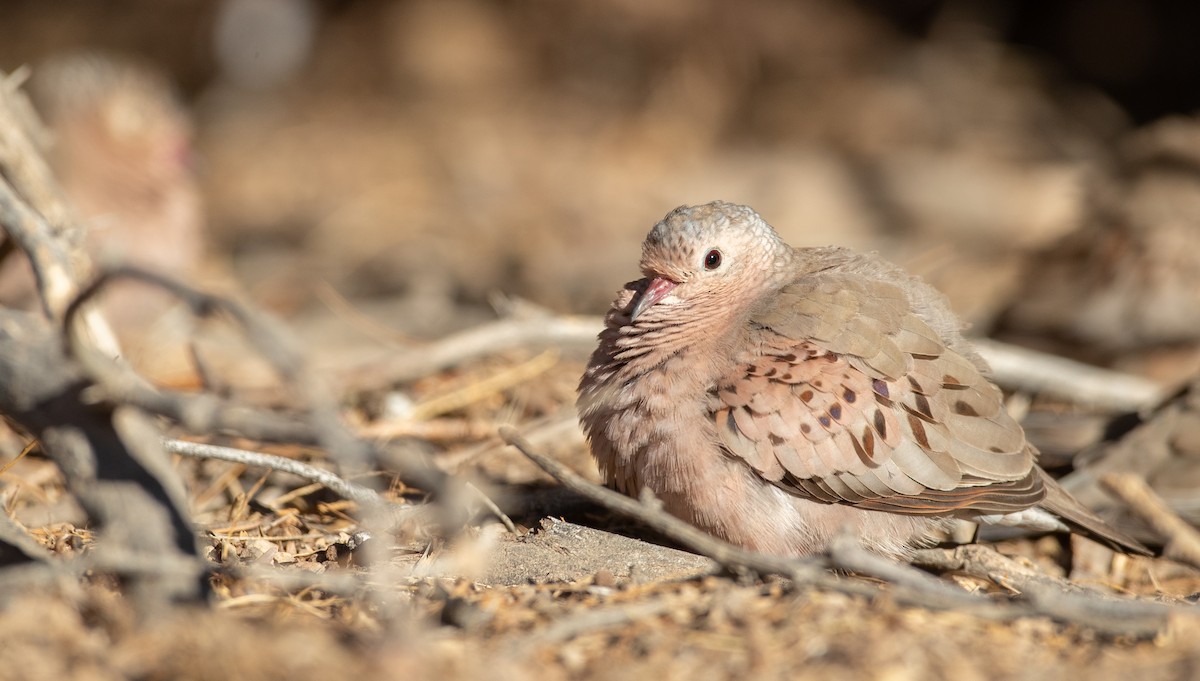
{"x": 718, "y": 251}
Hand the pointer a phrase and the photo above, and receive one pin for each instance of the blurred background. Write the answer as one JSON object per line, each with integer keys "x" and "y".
{"x": 384, "y": 173}
{"x": 404, "y": 161}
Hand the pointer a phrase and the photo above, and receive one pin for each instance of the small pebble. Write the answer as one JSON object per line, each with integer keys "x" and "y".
{"x": 604, "y": 577}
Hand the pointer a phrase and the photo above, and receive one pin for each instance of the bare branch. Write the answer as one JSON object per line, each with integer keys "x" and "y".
{"x": 23, "y": 161}
{"x": 1023, "y": 369}
{"x": 332, "y": 482}
{"x": 1055, "y": 598}
{"x": 206, "y": 413}
{"x": 1182, "y": 541}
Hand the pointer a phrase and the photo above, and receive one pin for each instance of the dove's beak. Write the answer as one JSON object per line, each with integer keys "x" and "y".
{"x": 658, "y": 289}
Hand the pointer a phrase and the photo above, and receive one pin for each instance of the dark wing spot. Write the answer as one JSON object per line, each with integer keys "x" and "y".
{"x": 770, "y": 372}
{"x": 995, "y": 449}
{"x": 849, "y": 396}
{"x": 965, "y": 409}
{"x": 880, "y": 388}
{"x": 836, "y": 412}
{"x": 790, "y": 358}
{"x": 922, "y": 405}
{"x": 805, "y": 428}
{"x": 817, "y": 384}
{"x": 868, "y": 445}
{"x": 952, "y": 382}
{"x": 880, "y": 424}
{"x": 806, "y": 396}
{"x": 824, "y": 419}
{"x": 918, "y": 430}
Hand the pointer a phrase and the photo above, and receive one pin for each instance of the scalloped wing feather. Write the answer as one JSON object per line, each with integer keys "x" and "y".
{"x": 850, "y": 397}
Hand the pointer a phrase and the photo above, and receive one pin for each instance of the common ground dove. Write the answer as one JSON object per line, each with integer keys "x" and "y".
{"x": 777, "y": 397}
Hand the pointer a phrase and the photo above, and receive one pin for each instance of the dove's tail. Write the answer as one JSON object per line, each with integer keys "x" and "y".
{"x": 1081, "y": 520}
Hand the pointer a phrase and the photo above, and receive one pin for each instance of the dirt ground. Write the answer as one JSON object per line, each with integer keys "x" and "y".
{"x": 382, "y": 175}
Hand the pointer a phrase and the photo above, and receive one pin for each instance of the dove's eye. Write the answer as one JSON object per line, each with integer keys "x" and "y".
{"x": 713, "y": 260}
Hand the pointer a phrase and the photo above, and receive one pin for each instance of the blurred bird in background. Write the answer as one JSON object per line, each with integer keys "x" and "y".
{"x": 120, "y": 142}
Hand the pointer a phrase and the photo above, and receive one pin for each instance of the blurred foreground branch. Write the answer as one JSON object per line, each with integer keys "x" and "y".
{"x": 336, "y": 484}
{"x": 110, "y": 457}
{"x": 62, "y": 380}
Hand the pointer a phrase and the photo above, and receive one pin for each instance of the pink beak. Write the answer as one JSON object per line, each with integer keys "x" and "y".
{"x": 656, "y": 291}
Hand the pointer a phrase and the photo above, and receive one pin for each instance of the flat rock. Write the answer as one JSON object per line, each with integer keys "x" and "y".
{"x": 559, "y": 551}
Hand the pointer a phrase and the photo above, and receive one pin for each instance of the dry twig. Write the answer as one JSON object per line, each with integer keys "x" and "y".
{"x": 332, "y": 482}
{"x": 1052, "y": 597}
{"x": 480, "y": 390}
{"x": 1182, "y": 541}
{"x": 1029, "y": 370}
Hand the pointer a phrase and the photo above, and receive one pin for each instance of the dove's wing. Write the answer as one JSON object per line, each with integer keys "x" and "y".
{"x": 847, "y": 396}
